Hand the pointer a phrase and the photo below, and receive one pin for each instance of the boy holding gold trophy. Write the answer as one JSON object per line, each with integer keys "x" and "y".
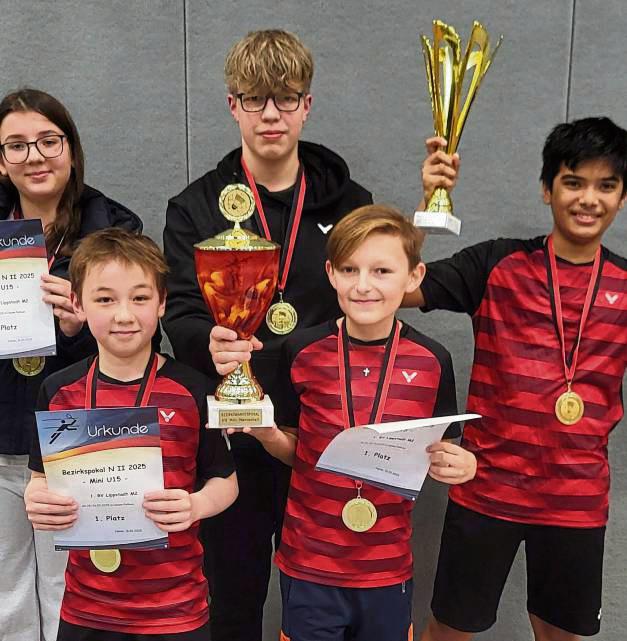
{"x": 300, "y": 190}
{"x": 550, "y": 342}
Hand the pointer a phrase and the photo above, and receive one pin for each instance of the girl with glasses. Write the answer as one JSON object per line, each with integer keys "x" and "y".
{"x": 41, "y": 176}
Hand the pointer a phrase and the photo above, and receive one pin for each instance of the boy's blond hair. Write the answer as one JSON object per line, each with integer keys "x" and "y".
{"x": 269, "y": 61}
{"x": 116, "y": 244}
{"x": 356, "y": 227}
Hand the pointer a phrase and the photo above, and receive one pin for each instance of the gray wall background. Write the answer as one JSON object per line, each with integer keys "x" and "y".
{"x": 143, "y": 79}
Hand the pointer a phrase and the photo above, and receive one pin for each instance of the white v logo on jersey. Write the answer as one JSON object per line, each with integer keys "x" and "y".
{"x": 167, "y": 417}
{"x": 611, "y": 298}
{"x": 324, "y": 228}
{"x": 409, "y": 377}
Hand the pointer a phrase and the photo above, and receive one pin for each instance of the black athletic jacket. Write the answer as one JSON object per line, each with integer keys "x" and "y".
{"x": 18, "y": 394}
{"x": 194, "y": 215}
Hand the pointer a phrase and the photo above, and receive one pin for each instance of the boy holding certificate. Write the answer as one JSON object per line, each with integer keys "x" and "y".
{"x": 550, "y": 323}
{"x": 118, "y": 289}
{"x": 345, "y": 555}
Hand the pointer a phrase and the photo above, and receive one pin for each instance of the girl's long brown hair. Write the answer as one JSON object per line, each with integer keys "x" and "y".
{"x": 67, "y": 222}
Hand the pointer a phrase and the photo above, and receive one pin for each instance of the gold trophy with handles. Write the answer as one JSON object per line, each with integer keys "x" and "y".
{"x": 449, "y": 73}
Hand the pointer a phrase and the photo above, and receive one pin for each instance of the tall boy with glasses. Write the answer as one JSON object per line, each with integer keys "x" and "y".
{"x": 302, "y": 190}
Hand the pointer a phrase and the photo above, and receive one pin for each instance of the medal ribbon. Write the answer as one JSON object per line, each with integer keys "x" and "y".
{"x": 383, "y": 384}
{"x": 143, "y": 394}
{"x": 385, "y": 375}
{"x": 554, "y": 287}
{"x": 145, "y": 387}
{"x": 296, "y": 212}
{"x": 17, "y": 215}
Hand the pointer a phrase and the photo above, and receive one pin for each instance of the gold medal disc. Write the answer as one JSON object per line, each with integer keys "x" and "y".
{"x": 359, "y": 514}
{"x": 29, "y": 365}
{"x": 281, "y": 318}
{"x": 569, "y": 408}
{"x": 106, "y": 560}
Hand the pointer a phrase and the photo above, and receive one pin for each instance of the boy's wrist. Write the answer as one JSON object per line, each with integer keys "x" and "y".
{"x": 267, "y": 435}
{"x": 35, "y": 483}
{"x": 195, "y": 500}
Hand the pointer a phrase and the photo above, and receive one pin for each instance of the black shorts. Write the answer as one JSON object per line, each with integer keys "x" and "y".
{"x": 71, "y": 632}
{"x": 564, "y": 572}
{"x": 328, "y": 613}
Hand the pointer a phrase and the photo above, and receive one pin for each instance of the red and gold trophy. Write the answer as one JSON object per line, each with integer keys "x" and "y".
{"x": 237, "y": 272}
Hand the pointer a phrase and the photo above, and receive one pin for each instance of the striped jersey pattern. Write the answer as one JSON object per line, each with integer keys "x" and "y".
{"x": 315, "y": 544}
{"x": 531, "y": 467}
{"x": 153, "y": 591}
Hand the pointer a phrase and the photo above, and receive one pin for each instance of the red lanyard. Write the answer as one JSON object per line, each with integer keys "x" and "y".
{"x": 145, "y": 387}
{"x": 17, "y": 215}
{"x": 294, "y": 223}
{"x": 569, "y": 371}
{"x": 385, "y": 376}
{"x": 383, "y": 384}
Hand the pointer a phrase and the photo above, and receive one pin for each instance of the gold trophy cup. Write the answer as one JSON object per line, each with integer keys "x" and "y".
{"x": 237, "y": 273}
{"x": 447, "y": 76}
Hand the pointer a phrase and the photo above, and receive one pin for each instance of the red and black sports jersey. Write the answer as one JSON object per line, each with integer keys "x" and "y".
{"x": 153, "y": 591}
{"x": 531, "y": 467}
{"x": 315, "y": 544}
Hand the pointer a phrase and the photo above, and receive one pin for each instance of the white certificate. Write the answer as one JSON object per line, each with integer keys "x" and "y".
{"x": 392, "y": 456}
{"x": 106, "y": 459}
{"x": 26, "y": 322}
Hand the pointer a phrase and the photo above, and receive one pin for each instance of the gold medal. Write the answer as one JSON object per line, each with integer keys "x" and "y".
{"x": 29, "y": 365}
{"x": 359, "y": 514}
{"x": 569, "y": 408}
{"x": 281, "y": 318}
{"x": 106, "y": 560}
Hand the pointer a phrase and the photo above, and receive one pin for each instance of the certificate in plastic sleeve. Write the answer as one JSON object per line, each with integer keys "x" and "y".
{"x": 106, "y": 459}
{"x": 392, "y": 456}
{"x": 26, "y": 322}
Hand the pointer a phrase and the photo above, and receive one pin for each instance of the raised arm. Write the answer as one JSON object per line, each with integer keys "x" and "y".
{"x": 439, "y": 169}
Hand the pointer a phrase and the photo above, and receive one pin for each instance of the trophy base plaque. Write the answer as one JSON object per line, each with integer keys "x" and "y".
{"x": 437, "y": 222}
{"x": 222, "y": 415}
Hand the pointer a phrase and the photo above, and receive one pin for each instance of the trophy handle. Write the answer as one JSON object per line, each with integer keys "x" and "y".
{"x": 479, "y": 59}
{"x": 427, "y": 51}
{"x": 446, "y": 63}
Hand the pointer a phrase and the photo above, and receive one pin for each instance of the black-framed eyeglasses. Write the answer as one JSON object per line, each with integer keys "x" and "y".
{"x": 288, "y": 101}
{"x": 17, "y": 152}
